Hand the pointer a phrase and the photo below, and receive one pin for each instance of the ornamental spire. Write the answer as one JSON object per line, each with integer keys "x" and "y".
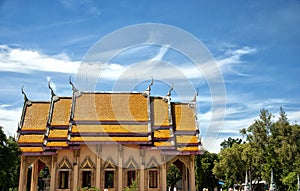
{"x": 74, "y": 89}
{"x": 51, "y": 89}
{"x": 25, "y": 96}
{"x": 147, "y": 91}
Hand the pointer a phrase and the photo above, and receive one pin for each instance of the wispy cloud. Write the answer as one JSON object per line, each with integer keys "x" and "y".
{"x": 233, "y": 57}
{"x": 25, "y": 61}
{"x": 9, "y": 118}
{"x": 85, "y": 5}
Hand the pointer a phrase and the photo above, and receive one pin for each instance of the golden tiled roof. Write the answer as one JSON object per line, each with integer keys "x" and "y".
{"x": 107, "y": 117}
{"x": 163, "y": 144}
{"x": 162, "y": 134}
{"x": 58, "y": 133}
{"x": 111, "y": 107}
{"x": 184, "y": 117}
{"x": 31, "y": 139}
{"x": 31, "y": 149}
{"x": 61, "y": 112}
{"x": 109, "y": 139}
{"x": 160, "y": 112}
{"x": 57, "y": 144}
{"x": 188, "y": 148}
{"x": 110, "y": 128}
{"x": 36, "y": 116}
{"x": 186, "y": 139}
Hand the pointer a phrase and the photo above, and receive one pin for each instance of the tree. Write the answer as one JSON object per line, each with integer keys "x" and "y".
{"x": 230, "y": 142}
{"x": 173, "y": 176}
{"x": 204, "y": 175}
{"x": 230, "y": 166}
{"x": 9, "y": 162}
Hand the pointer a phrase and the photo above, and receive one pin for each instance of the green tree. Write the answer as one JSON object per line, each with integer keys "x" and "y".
{"x": 173, "y": 176}
{"x": 230, "y": 142}
{"x": 204, "y": 175}
{"x": 9, "y": 162}
{"x": 230, "y": 166}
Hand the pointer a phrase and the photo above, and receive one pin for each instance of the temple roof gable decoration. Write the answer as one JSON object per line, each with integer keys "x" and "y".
{"x": 64, "y": 164}
{"x": 87, "y": 163}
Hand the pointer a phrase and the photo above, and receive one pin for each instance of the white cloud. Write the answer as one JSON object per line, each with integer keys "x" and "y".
{"x": 9, "y": 119}
{"x": 25, "y": 61}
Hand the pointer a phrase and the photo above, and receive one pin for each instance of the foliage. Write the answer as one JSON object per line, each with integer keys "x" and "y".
{"x": 271, "y": 145}
{"x": 230, "y": 142}
{"x": 132, "y": 187}
{"x": 204, "y": 165}
{"x": 173, "y": 176}
{"x": 230, "y": 166}
{"x": 9, "y": 162}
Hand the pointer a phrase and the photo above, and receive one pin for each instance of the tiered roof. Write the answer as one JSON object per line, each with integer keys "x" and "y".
{"x": 108, "y": 118}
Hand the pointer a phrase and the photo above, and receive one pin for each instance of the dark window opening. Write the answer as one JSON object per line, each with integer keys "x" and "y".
{"x": 86, "y": 178}
{"x": 109, "y": 179}
{"x": 63, "y": 179}
{"x": 153, "y": 179}
{"x": 130, "y": 177}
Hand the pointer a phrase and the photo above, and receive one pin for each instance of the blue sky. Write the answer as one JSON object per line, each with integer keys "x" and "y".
{"x": 256, "y": 45}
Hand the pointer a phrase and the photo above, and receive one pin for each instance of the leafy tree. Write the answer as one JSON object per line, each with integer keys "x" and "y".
{"x": 230, "y": 142}
{"x": 230, "y": 166}
{"x": 173, "y": 176}
{"x": 9, "y": 162}
{"x": 204, "y": 165}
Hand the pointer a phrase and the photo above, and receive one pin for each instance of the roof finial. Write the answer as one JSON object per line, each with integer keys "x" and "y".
{"x": 149, "y": 87}
{"x": 147, "y": 91}
{"x": 167, "y": 98}
{"x": 73, "y": 86}
{"x": 25, "y": 97}
{"x": 49, "y": 86}
{"x": 170, "y": 90}
{"x": 195, "y": 96}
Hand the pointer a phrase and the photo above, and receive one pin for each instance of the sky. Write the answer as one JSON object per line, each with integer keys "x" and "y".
{"x": 254, "y": 44}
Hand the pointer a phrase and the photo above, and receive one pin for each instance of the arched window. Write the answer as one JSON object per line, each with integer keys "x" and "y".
{"x": 109, "y": 174}
{"x": 64, "y": 173}
{"x": 87, "y": 168}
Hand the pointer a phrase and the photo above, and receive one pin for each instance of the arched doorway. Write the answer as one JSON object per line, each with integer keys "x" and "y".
{"x": 184, "y": 166}
{"x": 38, "y": 176}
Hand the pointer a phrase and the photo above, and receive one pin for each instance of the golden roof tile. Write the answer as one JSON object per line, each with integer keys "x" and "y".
{"x": 112, "y": 107}
{"x": 58, "y": 133}
{"x": 56, "y": 144}
{"x": 61, "y": 112}
{"x": 31, "y": 149}
{"x": 160, "y": 112}
{"x": 162, "y": 144}
{"x": 110, "y": 139}
{"x": 31, "y": 139}
{"x": 184, "y": 117}
{"x": 110, "y": 128}
{"x": 162, "y": 134}
{"x": 188, "y": 148}
{"x": 186, "y": 139}
{"x": 36, "y": 116}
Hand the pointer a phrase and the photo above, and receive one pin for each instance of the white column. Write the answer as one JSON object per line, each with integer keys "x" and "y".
{"x": 192, "y": 174}
{"x": 76, "y": 169}
{"x": 163, "y": 173}
{"x": 34, "y": 176}
{"x": 142, "y": 170}
{"x": 98, "y": 172}
{"x": 23, "y": 174}
{"x": 53, "y": 173}
{"x": 120, "y": 169}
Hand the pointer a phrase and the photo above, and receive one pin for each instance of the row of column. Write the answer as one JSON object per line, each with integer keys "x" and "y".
{"x": 53, "y": 170}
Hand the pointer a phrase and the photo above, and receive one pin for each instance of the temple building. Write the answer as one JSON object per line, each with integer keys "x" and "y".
{"x": 107, "y": 140}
